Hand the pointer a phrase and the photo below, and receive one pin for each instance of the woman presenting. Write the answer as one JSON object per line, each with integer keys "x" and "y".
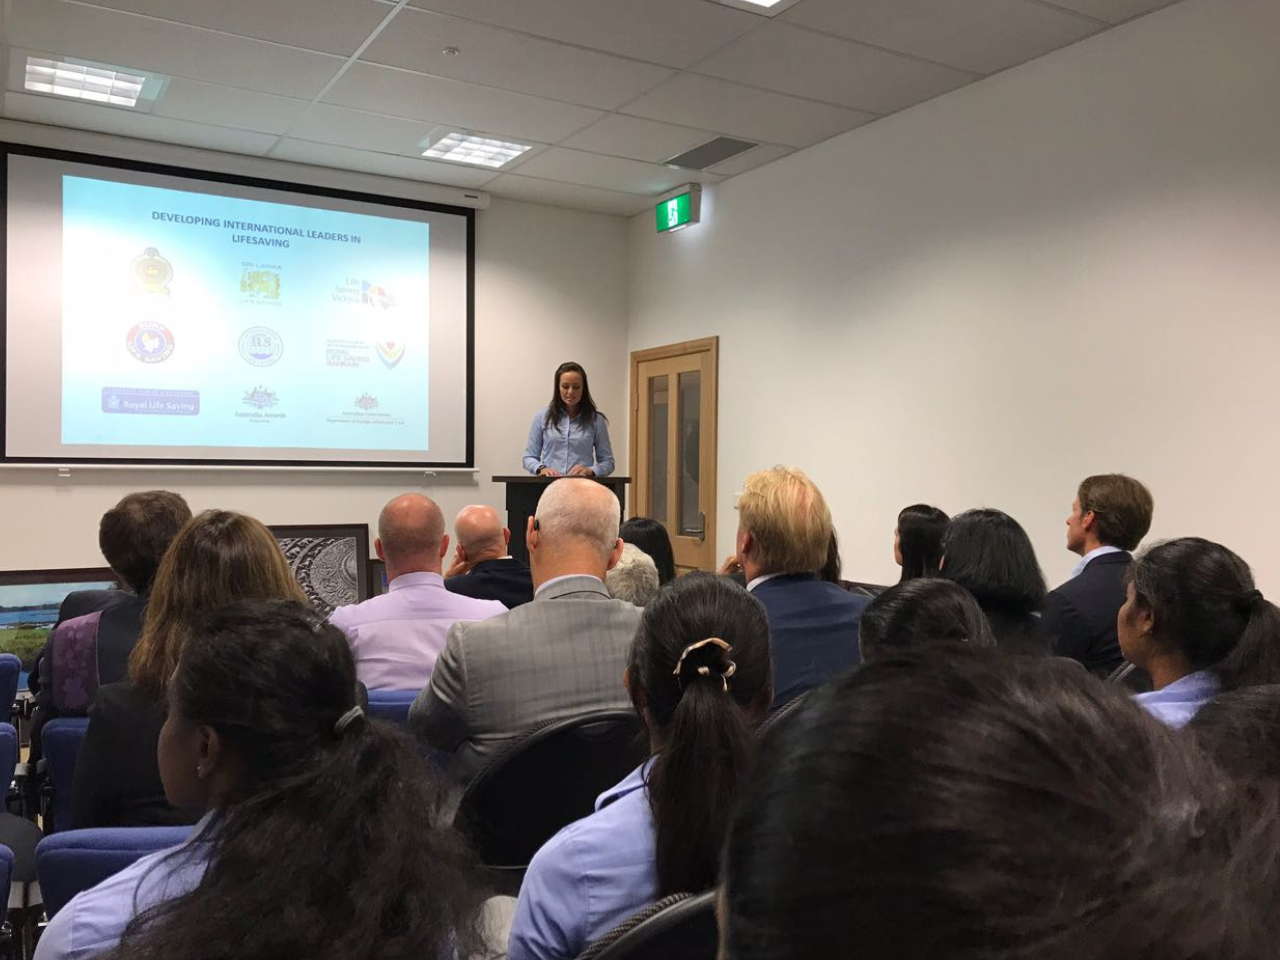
{"x": 571, "y": 437}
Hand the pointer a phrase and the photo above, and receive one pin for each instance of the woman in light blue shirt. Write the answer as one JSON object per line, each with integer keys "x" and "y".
{"x": 570, "y": 438}
{"x": 1196, "y": 623}
{"x": 321, "y": 839}
{"x": 700, "y": 675}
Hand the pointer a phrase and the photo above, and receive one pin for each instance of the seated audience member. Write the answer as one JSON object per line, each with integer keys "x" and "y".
{"x": 482, "y": 567}
{"x": 784, "y": 531}
{"x": 634, "y": 578}
{"x": 922, "y": 611}
{"x": 1239, "y": 732}
{"x": 320, "y": 836}
{"x": 1111, "y": 515}
{"x": 989, "y": 554}
{"x": 1194, "y": 621}
{"x": 554, "y": 658}
{"x": 917, "y": 541}
{"x": 651, "y": 537}
{"x": 700, "y": 677}
{"x": 92, "y": 648}
{"x": 217, "y": 558}
{"x": 959, "y": 804}
{"x": 397, "y": 636}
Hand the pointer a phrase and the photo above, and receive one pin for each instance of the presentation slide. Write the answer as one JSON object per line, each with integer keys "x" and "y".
{"x": 190, "y": 320}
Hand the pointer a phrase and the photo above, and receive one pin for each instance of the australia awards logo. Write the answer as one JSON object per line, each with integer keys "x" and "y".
{"x": 150, "y": 342}
{"x": 260, "y": 398}
{"x": 261, "y": 346}
{"x": 153, "y": 271}
{"x": 390, "y": 352}
{"x": 366, "y": 402}
{"x": 259, "y": 283}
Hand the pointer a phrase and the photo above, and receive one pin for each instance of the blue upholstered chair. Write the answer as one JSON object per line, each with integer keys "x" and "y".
{"x": 75, "y": 860}
{"x": 679, "y": 927}
{"x": 10, "y": 671}
{"x": 392, "y": 706}
{"x": 62, "y": 738}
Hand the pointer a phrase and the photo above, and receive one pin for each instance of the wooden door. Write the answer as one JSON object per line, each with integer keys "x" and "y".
{"x": 673, "y": 446}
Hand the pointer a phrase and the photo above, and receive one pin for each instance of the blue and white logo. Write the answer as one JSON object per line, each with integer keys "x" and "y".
{"x": 261, "y": 346}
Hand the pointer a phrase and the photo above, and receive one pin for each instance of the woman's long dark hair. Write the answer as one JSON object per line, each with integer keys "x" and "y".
{"x": 556, "y": 410}
{"x": 1204, "y": 602}
{"x": 920, "y": 532}
{"x": 331, "y": 847}
{"x": 651, "y": 537}
{"x": 703, "y": 732}
{"x": 926, "y": 610}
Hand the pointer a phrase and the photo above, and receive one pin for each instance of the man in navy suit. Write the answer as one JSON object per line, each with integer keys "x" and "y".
{"x": 1110, "y": 516}
{"x": 784, "y": 529}
{"x": 482, "y": 567}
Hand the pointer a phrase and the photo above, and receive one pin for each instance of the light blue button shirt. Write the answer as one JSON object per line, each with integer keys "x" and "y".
{"x": 589, "y": 877}
{"x": 93, "y": 922}
{"x": 567, "y": 444}
{"x": 1088, "y": 557}
{"x": 1181, "y": 700}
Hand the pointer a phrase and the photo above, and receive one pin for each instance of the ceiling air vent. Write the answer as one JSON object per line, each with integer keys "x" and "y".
{"x": 711, "y": 153}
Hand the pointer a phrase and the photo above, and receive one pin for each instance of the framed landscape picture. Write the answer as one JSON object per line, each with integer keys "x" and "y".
{"x": 330, "y": 561}
{"x": 29, "y": 602}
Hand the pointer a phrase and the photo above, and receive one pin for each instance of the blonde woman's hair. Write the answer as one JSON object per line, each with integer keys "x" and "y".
{"x": 788, "y": 520}
{"x": 217, "y": 558}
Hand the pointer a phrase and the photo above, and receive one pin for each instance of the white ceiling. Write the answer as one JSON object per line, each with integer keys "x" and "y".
{"x": 604, "y": 89}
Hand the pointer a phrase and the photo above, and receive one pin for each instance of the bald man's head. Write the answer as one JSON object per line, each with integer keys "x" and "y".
{"x": 480, "y": 533}
{"x": 580, "y": 513}
{"x": 411, "y": 533}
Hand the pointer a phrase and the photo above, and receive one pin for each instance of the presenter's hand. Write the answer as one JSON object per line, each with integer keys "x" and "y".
{"x": 581, "y": 471}
{"x": 548, "y": 472}
{"x": 730, "y": 565}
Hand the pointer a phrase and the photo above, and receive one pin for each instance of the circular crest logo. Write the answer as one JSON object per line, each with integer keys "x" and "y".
{"x": 261, "y": 346}
{"x": 150, "y": 342}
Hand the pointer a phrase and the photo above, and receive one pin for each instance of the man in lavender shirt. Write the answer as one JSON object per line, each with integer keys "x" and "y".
{"x": 396, "y": 637}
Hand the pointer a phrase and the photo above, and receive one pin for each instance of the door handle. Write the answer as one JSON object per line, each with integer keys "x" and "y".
{"x": 702, "y": 527}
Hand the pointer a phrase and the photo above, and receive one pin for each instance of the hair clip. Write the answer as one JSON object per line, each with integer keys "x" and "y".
{"x": 730, "y": 667}
{"x": 348, "y": 718}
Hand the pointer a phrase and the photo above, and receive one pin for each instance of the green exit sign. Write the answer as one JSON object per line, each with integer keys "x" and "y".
{"x": 679, "y": 211}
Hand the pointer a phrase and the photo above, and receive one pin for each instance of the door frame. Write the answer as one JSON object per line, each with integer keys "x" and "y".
{"x": 709, "y": 470}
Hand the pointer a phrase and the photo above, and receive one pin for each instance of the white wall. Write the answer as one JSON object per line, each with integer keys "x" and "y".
{"x": 550, "y": 286}
{"x": 1072, "y": 267}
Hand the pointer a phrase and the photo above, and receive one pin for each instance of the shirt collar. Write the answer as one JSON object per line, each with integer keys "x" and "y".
{"x": 634, "y": 781}
{"x": 419, "y": 578}
{"x": 761, "y": 579}
{"x": 567, "y": 576}
{"x": 1091, "y": 555}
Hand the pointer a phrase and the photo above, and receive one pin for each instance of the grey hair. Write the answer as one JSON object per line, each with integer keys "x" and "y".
{"x": 579, "y": 509}
{"x": 635, "y": 578}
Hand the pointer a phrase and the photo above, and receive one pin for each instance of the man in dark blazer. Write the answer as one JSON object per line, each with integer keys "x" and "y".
{"x": 1110, "y": 516}
{"x": 482, "y": 567}
{"x": 784, "y": 530}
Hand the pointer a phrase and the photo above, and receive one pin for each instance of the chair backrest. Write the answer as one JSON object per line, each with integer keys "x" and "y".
{"x": 8, "y": 753}
{"x": 680, "y": 927}
{"x": 61, "y": 738}
{"x": 10, "y": 670}
{"x": 546, "y": 780}
{"x": 6, "y": 867}
{"x": 786, "y": 710}
{"x": 75, "y": 860}
{"x": 392, "y": 705}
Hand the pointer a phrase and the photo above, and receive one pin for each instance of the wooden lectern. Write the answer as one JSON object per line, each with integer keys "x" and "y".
{"x": 524, "y": 492}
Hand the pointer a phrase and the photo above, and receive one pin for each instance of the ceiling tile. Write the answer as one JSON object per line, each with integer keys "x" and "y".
{"x": 609, "y": 173}
{"x": 517, "y": 187}
{"x": 623, "y": 136}
{"x": 1113, "y": 11}
{"x": 453, "y": 102}
{"x": 228, "y": 106}
{"x": 786, "y": 58}
{"x": 755, "y": 157}
{"x": 738, "y": 111}
{"x": 323, "y": 123}
{"x": 128, "y": 40}
{"x": 407, "y": 168}
{"x": 126, "y": 123}
{"x": 513, "y": 61}
{"x": 671, "y": 32}
{"x": 342, "y": 29}
{"x": 979, "y": 35}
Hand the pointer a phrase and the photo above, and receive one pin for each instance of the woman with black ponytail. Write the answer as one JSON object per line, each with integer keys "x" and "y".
{"x": 1195, "y": 621}
{"x": 321, "y": 838}
{"x": 700, "y": 675}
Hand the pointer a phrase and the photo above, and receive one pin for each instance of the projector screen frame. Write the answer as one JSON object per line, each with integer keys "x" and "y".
{"x": 8, "y": 148}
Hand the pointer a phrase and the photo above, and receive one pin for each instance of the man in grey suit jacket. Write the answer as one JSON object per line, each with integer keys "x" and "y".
{"x": 560, "y": 656}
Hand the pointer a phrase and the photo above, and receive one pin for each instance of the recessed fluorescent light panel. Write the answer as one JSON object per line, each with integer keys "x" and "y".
{"x": 477, "y": 151}
{"x": 91, "y": 82}
{"x": 769, "y": 8}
